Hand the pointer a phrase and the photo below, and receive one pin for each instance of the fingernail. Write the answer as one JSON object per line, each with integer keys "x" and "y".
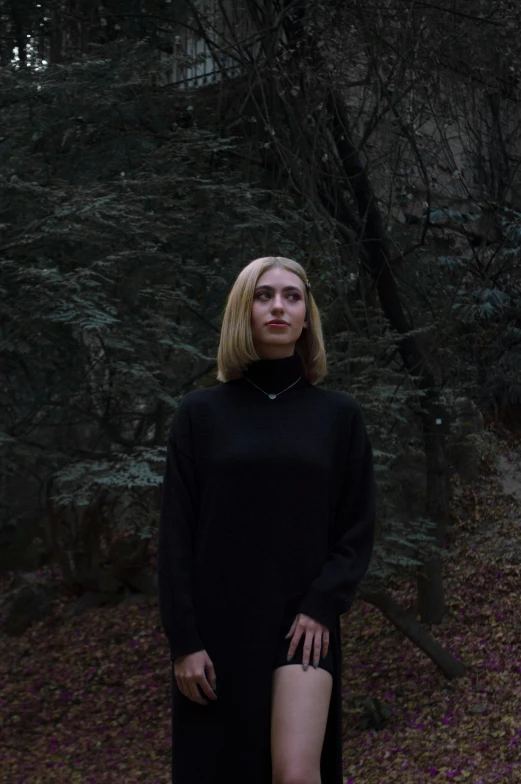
{"x": 305, "y": 666}
{"x": 286, "y": 637}
{"x": 289, "y": 658}
{"x": 315, "y": 665}
{"x": 214, "y": 688}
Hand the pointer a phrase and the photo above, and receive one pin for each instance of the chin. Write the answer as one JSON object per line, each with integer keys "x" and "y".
{"x": 281, "y": 341}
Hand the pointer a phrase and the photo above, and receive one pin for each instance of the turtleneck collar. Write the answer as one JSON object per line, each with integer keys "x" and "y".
{"x": 273, "y": 375}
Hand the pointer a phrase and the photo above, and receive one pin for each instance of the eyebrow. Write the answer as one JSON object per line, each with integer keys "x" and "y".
{"x": 286, "y": 288}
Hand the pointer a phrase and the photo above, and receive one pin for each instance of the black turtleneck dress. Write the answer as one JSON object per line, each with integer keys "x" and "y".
{"x": 267, "y": 505}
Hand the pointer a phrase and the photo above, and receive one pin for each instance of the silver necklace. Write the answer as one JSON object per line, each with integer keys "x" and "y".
{"x": 271, "y": 395}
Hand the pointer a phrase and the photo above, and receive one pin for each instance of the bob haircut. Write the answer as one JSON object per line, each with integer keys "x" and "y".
{"x": 236, "y": 347}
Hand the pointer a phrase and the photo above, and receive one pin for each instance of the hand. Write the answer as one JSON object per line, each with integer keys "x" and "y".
{"x": 317, "y": 636}
{"x": 194, "y": 671}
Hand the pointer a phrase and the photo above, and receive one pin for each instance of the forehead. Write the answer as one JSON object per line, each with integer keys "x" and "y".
{"x": 278, "y": 277}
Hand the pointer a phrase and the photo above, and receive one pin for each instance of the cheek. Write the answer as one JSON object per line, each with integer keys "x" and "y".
{"x": 256, "y": 317}
{"x": 300, "y": 314}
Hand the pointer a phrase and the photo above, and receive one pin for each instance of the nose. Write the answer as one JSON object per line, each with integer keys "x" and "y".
{"x": 277, "y": 303}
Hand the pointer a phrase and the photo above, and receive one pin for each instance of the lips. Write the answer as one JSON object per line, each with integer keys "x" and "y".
{"x": 278, "y": 323}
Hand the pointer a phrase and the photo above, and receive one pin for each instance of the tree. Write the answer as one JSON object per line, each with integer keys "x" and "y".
{"x": 122, "y": 229}
{"x": 309, "y": 144}
{"x": 335, "y": 134}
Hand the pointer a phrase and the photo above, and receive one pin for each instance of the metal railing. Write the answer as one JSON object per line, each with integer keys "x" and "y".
{"x": 196, "y": 62}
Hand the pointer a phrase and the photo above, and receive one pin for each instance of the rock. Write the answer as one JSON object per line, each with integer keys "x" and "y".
{"x": 128, "y": 552}
{"x": 465, "y": 440}
{"x": 140, "y": 580}
{"x": 99, "y": 581}
{"x": 510, "y": 475}
{"x": 92, "y": 599}
{"x": 31, "y": 603}
{"x": 19, "y": 553}
{"x": 23, "y": 579}
{"x": 135, "y": 598}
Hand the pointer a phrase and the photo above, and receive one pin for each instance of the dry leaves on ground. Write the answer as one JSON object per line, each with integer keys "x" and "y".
{"x": 87, "y": 699}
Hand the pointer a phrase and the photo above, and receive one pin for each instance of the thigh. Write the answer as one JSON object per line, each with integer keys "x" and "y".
{"x": 299, "y": 711}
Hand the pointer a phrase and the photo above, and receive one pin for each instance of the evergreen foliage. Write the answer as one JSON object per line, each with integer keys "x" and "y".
{"x": 127, "y": 210}
{"x": 122, "y": 232}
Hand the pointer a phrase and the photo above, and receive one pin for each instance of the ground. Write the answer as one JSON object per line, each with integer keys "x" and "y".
{"x": 87, "y": 699}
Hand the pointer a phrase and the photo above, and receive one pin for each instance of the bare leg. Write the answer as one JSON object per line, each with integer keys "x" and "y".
{"x": 299, "y": 709}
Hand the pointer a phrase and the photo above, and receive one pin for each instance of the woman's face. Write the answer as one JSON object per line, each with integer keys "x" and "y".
{"x": 278, "y": 296}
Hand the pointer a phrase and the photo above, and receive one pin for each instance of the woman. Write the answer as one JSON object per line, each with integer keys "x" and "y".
{"x": 267, "y": 526}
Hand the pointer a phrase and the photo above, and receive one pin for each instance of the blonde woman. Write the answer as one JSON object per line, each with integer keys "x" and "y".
{"x": 267, "y": 527}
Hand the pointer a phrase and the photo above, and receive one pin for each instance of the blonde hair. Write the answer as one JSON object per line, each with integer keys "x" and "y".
{"x": 236, "y": 347}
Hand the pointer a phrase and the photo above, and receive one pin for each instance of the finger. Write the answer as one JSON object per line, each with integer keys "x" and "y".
{"x": 293, "y": 626}
{"x": 195, "y": 694}
{"x": 180, "y": 685}
{"x": 210, "y": 674}
{"x": 317, "y": 645}
{"x": 205, "y": 686}
{"x": 325, "y": 643}
{"x": 307, "y": 649}
{"x": 192, "y": 691}
{"x": 294, "y": 642}
{"x": 183, "y": 688}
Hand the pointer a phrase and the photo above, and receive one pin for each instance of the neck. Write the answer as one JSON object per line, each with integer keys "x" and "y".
{"x": 275, "y": 352}
{"x": 273, "y": 375}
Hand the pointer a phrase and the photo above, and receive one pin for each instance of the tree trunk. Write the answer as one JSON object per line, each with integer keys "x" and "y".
{"x": 312, "y": 174}
{"x": 56, "y": 55}
{"x": 431, "y": 597}
{"x": 20, "y": 27}
{"x": 408, "y": 625}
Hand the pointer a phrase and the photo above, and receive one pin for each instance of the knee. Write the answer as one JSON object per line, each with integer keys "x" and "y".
{"x": 295, "y": 775}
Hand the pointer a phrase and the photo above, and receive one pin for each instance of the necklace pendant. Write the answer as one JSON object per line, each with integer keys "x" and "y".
{"x": 272, "y": 396}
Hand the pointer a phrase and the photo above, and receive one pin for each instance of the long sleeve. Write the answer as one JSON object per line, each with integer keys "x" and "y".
{"x": 177, "y": 526}
{"x": 333, "y": 592}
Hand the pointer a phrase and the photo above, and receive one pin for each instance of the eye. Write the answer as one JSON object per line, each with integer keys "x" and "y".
{"x": 261, "y": 294}
{"x": 297, "y": 296}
